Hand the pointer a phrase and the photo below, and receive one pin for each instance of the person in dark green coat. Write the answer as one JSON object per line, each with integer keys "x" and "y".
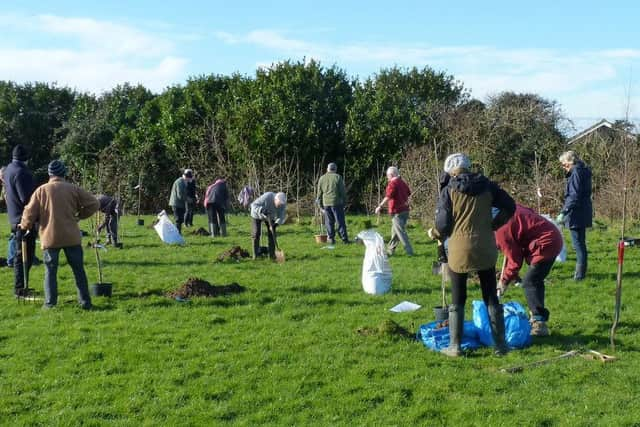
{"x": 178, "y": 198}
{"x": 463, "y": 215}
{"x": 331, "y": 199}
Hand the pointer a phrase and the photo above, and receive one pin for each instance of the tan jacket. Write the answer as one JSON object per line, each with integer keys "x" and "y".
{"x": 58, "y": 206}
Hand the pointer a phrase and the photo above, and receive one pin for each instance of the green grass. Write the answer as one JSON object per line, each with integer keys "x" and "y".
{"x": 287, "y": 351}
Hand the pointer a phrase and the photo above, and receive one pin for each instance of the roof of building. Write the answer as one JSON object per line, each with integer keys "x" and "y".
{"x": 602, "y": 124}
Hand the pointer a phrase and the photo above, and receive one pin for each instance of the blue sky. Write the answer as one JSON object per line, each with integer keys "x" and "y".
{"x": 581, "y": 54}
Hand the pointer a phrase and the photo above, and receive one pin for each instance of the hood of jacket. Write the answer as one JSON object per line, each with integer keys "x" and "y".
{"x": 469, "y": 183}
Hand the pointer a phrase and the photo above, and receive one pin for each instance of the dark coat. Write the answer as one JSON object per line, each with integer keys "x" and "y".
{"x": 19, "y": 186}
{"x": 577, "y": 207}
{"x": 217, "y": 194}
{"x": 191, "y": 191}
{"x": 108, "y": 205}
{"x": 463, "y": 214}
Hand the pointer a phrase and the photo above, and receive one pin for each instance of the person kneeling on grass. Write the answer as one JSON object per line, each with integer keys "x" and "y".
{"x": 529, "y": 237}
{"x": 57, "y": 206}
{"x": 269, "y": 208}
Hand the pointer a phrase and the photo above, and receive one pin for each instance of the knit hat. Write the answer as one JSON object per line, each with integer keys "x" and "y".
{"x": 20, "y": 152}
{"x": 456, "y": 161}
{"x": 57, "y": 168}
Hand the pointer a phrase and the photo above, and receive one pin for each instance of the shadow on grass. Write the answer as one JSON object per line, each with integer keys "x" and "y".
{"x": 189, "y": 262}
{"x": 319, "y": 290}
{"x": 141, "y": 294}
{"x": 577, "y": 341}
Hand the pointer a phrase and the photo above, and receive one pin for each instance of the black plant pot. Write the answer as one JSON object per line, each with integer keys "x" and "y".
{"x": 140, "y": 221}
{"x": 101, "y": 289}
{"x": 441, "y": 313}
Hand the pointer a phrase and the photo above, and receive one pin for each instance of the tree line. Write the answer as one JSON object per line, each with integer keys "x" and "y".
{"x": 278, "y": 129}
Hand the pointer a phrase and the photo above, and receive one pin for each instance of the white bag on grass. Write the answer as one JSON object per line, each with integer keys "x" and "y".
{"x": 167, "y": 231}
{"x": 376, "y": 272}
{"x": 562, "y": 256}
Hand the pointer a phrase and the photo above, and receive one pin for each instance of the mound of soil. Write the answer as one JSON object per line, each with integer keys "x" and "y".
{"x": 195, "y": 287}
{"x": 387, "y": 328}
{"x": 200, "y": 232}
{"x": 236, "y": 253}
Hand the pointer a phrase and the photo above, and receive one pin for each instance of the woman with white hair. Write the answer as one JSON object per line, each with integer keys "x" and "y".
{"x": 270, "y": 208}
{"x": 463, "y": 215}
{"x": 577, "y": 210}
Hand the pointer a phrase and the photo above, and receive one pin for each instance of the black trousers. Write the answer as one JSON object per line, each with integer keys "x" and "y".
{"x": 178, "y": 214}
{"x": 190, "y": 207}
{"x": 533, "y": 285}
{"x": 18, "y": 265}
{"x": 216, "y": 214}
{"x": 487, "y": 284}
{"x": 256, "y": 232}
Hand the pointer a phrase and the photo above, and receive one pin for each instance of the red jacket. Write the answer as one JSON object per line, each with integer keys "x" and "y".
{"x": 528, "y": 237}
{"x": 398, "y": 193}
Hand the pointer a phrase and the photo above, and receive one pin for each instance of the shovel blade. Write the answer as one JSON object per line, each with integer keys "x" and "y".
{"x": 280, "y": 259}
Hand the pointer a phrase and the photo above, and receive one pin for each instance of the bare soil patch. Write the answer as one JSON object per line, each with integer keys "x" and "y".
{"x": 236, "y": 253}
{"x": 195, "y": 287}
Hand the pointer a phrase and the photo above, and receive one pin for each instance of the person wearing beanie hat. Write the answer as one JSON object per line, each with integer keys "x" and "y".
{"x": 457, "y": 163}
{"x": 56, "y": 206}
{"x": 19, "y": 186}
{"x": 178, "y": 197}
{"x": 57, "y": 168}
{"x": 463, "y": 215}
{"x": 20, "y": 152}
{"x": 332, "y": 197}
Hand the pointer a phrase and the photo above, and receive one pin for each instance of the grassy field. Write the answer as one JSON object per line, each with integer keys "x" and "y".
{"x": 288, "y": 351}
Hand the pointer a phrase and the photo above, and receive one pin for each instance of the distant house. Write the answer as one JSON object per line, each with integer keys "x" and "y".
{"x": 603, "y": 131}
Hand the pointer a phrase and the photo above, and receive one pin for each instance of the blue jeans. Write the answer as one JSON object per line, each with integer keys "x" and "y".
{"x": 74, "y": 258}
{"x": 579, "y": 242}
{"x": 333, "y": 214}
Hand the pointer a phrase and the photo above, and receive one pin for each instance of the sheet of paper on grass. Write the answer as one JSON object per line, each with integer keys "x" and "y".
{"x": 405, "y": 306}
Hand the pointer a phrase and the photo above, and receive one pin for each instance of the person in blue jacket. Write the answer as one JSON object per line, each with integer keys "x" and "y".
{"x": 577, "y": 210}
{"x": 19, "y": 185}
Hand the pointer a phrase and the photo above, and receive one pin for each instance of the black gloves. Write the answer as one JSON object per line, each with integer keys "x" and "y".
{"x": 19, "y": 234}
{"x": 442, "y": 254}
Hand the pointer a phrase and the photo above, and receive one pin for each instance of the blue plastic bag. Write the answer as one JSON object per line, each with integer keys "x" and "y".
{"x": 438, "y": 339}
{"x": 517, "y": 330}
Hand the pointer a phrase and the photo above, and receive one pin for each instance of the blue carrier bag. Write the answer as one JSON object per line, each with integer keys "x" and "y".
{"x": 517, "y": 329}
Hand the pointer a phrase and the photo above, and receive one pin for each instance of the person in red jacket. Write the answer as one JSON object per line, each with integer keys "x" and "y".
{"x": 397, "y": 195}
{"x": 529, "y": 237}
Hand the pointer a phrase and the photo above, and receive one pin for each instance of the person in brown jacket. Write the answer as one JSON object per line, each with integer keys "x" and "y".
{"x": 57, "y": 206}
{"x": 463, "y": 215}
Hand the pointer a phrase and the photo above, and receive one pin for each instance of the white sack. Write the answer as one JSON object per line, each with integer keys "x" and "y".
{"x": 167, "y": 231}
{"x": 562, "y": 256}
{"x": 376, "y": 272}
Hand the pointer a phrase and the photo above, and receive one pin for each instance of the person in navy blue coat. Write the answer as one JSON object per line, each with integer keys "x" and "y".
{"x": 19, "y": 185}
{"x": 577, "y": 210}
